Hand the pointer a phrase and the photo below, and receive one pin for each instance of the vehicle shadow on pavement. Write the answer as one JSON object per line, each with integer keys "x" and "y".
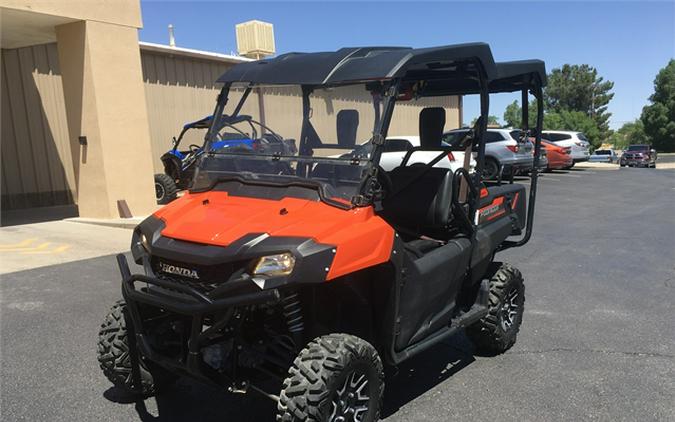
{"x": 425, "y": 371}
{"x": 191, "y": 400}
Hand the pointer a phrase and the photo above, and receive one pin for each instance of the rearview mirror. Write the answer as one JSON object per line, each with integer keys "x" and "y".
{"x": 653, "y": 151}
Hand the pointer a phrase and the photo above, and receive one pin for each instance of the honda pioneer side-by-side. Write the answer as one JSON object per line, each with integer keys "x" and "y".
{"x": 301, "y": 274}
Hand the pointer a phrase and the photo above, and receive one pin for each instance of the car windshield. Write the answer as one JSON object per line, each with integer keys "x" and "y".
{"x": 331, "y": 155}
{"x": 602, "y": 152}
{"x": 638, "y": 148}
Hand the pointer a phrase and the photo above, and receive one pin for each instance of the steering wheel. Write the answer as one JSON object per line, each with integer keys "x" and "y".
{"x": 194, "y": 148}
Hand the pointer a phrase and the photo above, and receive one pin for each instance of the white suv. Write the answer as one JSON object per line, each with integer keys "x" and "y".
{"x": 396, "y": 147}
{"x": 503, "y": 147}
{"x": 576, "y": 140}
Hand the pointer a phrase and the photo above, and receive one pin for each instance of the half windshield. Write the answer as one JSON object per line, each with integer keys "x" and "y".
{"x": 328, "y": 150}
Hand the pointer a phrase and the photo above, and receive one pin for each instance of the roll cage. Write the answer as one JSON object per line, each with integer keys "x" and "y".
{"x": 394, "y": 74}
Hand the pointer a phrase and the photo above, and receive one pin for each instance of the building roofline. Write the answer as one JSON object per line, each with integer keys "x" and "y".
{"x": 189, "y": 52}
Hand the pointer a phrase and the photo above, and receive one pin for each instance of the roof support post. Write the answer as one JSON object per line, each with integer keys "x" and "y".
{"x": 220, "y": 107}
{"x": 534, "y": 174}
{"x": 482, "y": 127}
{"x": 241, "y": 102}
{"x": 525, "y": 109}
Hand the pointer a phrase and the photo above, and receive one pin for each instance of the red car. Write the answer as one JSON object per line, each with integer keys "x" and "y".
{"x": 558, "y": 157}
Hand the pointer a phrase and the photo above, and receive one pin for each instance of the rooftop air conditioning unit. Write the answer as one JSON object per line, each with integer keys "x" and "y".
{"x": 255, "y": 39}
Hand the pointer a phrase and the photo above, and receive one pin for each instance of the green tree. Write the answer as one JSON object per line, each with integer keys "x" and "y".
{"x": 579, "y": 88}
{"x": 630, "y": 133}
{"x": 513, "y": 114}
{"x": 659, "y": 117}
{"x": 512, "y": 117}
{"x": 492, "y": 121}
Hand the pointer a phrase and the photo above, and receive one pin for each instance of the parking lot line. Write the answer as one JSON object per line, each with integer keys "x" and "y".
{"x": 571, "y": 175}
{"x": 22, "y": 244}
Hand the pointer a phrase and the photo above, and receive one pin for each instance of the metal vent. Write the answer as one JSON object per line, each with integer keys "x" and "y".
{"x": 255, "y": 39}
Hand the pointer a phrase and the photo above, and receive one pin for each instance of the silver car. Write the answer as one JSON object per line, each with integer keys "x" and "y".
{"x": 503, "y": 147}
{"x": 576, "y": 140}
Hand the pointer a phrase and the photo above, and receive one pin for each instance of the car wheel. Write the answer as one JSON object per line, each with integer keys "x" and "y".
{"x": 336, "y": 377}
{"x": 496, "y": 332}
{"x": 491, "y": 170}
{"x": 165, "y": 189}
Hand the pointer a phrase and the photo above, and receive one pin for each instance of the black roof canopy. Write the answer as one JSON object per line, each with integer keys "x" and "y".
{"x": 362, "y": 64}
{"x": 517, "y": 75}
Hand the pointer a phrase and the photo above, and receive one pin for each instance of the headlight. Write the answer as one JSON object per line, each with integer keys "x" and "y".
{"x": 140, "y": 246}
{"x": 144, "y": 242}
{"x": 274, "y": 265}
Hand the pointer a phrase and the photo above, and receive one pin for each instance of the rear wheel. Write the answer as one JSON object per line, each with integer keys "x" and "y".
{"x": 496, "y": 332}
{"x": 165, "y": 189}
{"x": 114, "y": 360}
{"x": 335, "y": 378}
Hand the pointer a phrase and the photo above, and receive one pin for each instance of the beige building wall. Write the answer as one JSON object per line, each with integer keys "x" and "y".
{"x": 36, "y": 156}
{"x": 118, "y": 12}
{"x": 105, "y": 101}
{"x": 179, "y": 90}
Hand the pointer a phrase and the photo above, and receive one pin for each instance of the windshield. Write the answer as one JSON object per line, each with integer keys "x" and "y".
{"x": 328, "y": 150}
{"x": 638, "y": 148}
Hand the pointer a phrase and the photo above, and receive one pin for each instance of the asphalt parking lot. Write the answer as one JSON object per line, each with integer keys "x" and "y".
{"x": 597, "y": 342}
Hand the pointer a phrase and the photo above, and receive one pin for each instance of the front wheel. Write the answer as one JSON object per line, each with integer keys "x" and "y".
{"x": 496, "y": 332}
{"x": 335, "y": 378}
{"x": 113, "y": 356}
{"x": 165, "y": 189}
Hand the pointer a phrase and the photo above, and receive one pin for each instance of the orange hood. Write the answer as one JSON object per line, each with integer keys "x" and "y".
{"x": 361, "y": 238}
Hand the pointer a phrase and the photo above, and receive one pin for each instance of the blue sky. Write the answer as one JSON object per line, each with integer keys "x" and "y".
{"x": 628, "y": 42}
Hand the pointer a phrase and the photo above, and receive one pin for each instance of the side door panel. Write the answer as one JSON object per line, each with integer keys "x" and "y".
{"x": 430, "y": 287}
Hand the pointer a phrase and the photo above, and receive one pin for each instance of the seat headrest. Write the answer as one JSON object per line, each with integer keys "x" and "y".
{"x": 432, "y": 122}
{"x": 347, "y": 122}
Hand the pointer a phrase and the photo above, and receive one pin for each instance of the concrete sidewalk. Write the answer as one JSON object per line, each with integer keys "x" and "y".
{"x": 37, "y": 245}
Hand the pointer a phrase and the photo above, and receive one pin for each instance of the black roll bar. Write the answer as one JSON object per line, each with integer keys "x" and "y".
{"x": 217, "y": 112}
{"x": 534, "y": 174}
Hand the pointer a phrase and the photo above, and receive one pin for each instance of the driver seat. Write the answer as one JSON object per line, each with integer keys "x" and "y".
{"x": 421, "y": 203}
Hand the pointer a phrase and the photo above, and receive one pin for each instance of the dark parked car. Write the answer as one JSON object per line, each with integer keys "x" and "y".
{"x": 639, "y": 156}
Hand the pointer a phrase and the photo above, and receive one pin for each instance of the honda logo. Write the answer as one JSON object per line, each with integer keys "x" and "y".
{"x": 173, "y": 269}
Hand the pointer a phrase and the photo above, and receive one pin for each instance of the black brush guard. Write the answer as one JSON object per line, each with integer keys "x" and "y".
{"x": 195, "y": 305}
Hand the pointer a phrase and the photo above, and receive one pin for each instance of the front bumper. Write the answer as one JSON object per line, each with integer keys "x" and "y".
{"x": 189, "y": 302}
{"x": 635, "y": 162}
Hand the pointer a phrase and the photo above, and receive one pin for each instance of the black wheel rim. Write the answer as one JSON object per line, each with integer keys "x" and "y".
{"x": 509, "y": 310}
{"x": 159, "y": 191}
{"x": 491, "y": 170}
{"x": 350, "y": 401}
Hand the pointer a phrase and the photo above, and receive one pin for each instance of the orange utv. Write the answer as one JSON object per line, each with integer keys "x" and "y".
{"x": 298, "y": 270}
